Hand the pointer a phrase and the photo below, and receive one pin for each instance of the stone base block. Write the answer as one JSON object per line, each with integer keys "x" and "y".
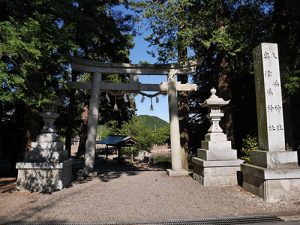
{"x": 44, "y": 177}
{"x": 272, "y": 184}
{"x": 175, "y": 173}
{"x": 269, "y": 159}
{"x": 51, "y": 146}
{"x": 43, "y": 155}
{"x": 213, "y": 155}
{"x": 217, "y": 163}
{"x": 47, "y": 137}
{"x": 218, "y": 181}
{"x": 213, "y": 145}
{"x": 215, "y": 137}
{"x": 216, "y": 173}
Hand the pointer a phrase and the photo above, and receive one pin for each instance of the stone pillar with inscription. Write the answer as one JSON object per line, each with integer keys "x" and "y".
{"x": 273, "y": 173}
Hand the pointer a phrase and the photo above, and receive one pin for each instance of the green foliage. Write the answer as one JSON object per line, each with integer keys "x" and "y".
{"x": 146, "y": 136}
{"x": 165, "y": 19}
{"x": 250, "y": 143}
{"x": 162, "y": 159}
{"x": 221, "y": 35}
{"x": 37, "y": 39}
{"x": 292, "y": 83}
{"x": 23, "y": 73}
{"x": 137, "y": 131}
{"x": 102, "y": 132}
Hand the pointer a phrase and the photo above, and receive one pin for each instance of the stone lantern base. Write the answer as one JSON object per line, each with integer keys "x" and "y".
{"x": 216, "y": 172}
{"x": 216, "y": 164}
{"x": 44, "y": 177}
{"x": 46, "y": 168}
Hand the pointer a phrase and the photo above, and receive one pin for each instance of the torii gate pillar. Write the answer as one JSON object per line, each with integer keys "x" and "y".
{"x": 174, "y": 129}
{"x": 92, "y": 123}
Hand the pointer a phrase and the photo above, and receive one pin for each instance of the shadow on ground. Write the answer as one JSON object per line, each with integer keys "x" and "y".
{"x": 7, "y": 184}
{"x": 105, "y": 171}
{"x": 110, "y": 170}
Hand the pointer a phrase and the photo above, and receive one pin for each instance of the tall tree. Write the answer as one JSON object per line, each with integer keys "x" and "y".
{"x": 37, "y": 38}
{"x": 168, "y": 21}
{"x": 32, "y": 48}
{"x": 286, "y": 25}
{"x": 221, "y": 35}
{"x": 102, "y": 33}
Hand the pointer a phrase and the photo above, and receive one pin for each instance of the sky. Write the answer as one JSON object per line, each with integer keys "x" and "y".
{"x": 137, "y": 54}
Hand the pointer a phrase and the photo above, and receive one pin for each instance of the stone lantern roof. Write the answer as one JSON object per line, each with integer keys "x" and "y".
{"x": 214, "y": 100}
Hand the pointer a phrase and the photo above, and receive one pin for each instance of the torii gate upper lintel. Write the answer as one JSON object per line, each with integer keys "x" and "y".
{"x": 92, "y": 66}
{"x": 170, "y": 87}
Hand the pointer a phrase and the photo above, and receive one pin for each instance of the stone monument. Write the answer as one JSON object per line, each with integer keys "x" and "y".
{"x": 216, "y": 163}
{"x": 273, "y": 173}
{"x": 46, "y": 167}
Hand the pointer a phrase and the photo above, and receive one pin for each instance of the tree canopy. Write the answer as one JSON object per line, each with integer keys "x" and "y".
{"x": 36, "y": 40}
{"x": 221, "y": 34}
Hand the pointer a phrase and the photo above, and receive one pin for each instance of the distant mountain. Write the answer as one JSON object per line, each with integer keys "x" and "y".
{"x": 152, "y": 121}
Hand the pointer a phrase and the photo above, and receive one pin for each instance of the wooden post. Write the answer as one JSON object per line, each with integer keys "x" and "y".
{"x": 92, "y": 123}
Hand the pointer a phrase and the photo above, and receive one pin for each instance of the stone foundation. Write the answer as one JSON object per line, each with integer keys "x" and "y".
{"x": 216, "y": 173}
{"x": 44, "y": 177}
{"x": 272, "y": 184}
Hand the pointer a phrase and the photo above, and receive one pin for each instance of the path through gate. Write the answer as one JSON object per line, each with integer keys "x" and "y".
{"x": 170, "y": 88}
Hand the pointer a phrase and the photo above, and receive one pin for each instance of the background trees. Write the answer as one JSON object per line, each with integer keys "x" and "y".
{"x": 37, "y": 38}
{"x": 146, "y": 130}
{"x": 222, "y": 34}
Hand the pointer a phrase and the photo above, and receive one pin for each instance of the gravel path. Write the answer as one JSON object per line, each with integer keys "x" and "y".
{"x": 131, "y": 195}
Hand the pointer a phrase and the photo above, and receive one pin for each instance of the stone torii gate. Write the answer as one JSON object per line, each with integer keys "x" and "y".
{"x": 170, "y": 87}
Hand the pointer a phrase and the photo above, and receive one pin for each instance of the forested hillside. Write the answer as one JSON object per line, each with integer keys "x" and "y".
{"x": 151, "y": 122}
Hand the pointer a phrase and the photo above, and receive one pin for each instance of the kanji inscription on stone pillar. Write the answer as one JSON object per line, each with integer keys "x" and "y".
{"x": 268, "y": 98}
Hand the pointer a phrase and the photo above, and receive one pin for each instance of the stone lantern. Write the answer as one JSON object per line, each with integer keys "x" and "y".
{"x": 49, "y": 115}
{"x": 216, "y": 163}
{"x": 46, "y": 167}
{"x": 214, "y": 103}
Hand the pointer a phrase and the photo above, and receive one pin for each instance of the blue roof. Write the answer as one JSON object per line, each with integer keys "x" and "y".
{"x": 116, "y": 140}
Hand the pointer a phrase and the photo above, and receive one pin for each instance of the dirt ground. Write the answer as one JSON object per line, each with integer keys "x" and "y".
{"x": 125, "y": 193}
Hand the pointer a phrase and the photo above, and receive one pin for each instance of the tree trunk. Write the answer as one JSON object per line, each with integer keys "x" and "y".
{"x": 1, "y": 128}
{"x": 69, "y": 131}
{"x": 83, "y": 131}
{"x": 224, "y": 91}
{"x": 31, "y": 126}
{"x": 224, "y": 76}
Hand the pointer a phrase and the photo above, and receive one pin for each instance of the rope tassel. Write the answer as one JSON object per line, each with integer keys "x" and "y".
{"x": 116, "y": 106}
{"x": 107, "y": 97}
{"x": 151, "y": 106}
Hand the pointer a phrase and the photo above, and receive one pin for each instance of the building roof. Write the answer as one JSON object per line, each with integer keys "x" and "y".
{"x": 117, "y": 140}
